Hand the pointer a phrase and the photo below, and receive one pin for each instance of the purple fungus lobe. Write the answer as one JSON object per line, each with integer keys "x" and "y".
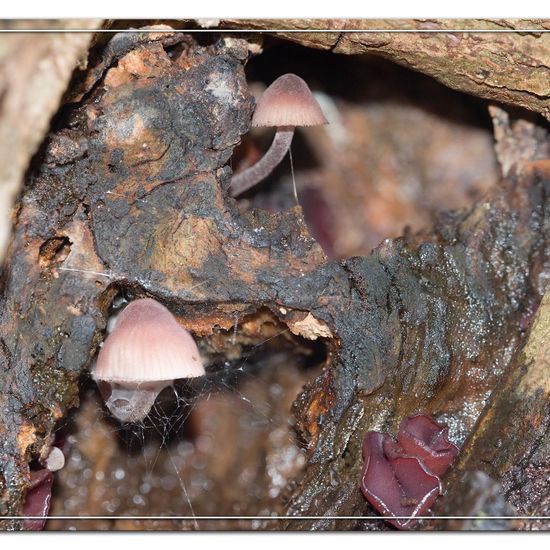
{"x": 395, "y": 484}
{"x": 402, "y": 479}
{"x": 420, "y": 436}
{"x": 37, "y": 501}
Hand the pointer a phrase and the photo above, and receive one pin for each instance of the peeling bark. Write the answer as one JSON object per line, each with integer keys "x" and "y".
{"x": 34, "y": 73}
{"x": 512, "y": 67}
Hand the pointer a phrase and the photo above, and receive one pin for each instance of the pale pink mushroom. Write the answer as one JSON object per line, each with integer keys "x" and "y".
{"x": 55, "y": 459}
{"x": 287, "y": 103}
{"x": 146, "y": 351}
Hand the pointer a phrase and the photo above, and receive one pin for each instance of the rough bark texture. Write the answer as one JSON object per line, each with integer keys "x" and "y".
{"x": 132, "y": 193}
{"x": 511, "y": 443}
{"x": 442, "y": 311}
{"x": 507, "y": 67}
{"x": 34, "y": 73}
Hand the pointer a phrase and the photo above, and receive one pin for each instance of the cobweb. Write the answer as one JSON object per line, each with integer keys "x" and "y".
{"x": 222, "y": 445}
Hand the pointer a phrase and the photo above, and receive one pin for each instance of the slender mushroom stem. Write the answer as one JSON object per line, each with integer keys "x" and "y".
{"x": 251, "y": 176}
{"x": 132, "y": 402}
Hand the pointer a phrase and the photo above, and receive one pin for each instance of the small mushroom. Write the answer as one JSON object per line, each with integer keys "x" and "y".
{"x": 287, "y": 103}
{"x": 146, "y": 351}
{"x": 55, "y": 460}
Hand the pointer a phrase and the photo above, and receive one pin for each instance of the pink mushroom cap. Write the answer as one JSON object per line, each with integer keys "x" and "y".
{"x": 147, "y": 345}
{"x": 288, "y": 102}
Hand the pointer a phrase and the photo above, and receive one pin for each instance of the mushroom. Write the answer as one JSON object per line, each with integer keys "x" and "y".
{"x": 287, "y": 103}
{"x": 55, "y": 459}
{"x": 146, "y": 351}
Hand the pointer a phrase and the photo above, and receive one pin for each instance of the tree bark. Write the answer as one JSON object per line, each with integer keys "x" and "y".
{"x": 508, "y": 65}
{"x": 34, "y": 72}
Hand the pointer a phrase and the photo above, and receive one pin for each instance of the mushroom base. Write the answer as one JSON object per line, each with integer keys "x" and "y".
{"x": 131, "y": 402}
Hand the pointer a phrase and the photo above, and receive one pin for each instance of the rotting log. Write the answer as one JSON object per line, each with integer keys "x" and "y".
{"x": 132, "y": 193}
{"x": 506, "y": 66}
{"x": 511, "y": 443}
{"x": 34, "y": 73}
{"x": 450, "y": 306}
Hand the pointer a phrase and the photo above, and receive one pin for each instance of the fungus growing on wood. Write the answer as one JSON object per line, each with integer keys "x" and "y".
{"x": 37, "y": 500}
{"x": 55, "y": 459}
{"x": 402, "y": 479}
{"x": 429, "y": 441}
{"x": 146, "y": 351}
{"x": 287, "y": 103}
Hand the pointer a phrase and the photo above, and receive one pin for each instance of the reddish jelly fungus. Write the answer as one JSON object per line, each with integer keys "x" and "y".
{"x": 396, "y": 485}
{"x": 401, "y": 479}
{"x": 420, "y": 436}
{"x": 37, "y": 501}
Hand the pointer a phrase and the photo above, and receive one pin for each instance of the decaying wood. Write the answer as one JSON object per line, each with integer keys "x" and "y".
{"x": 518, "y": 141}
{"x": 34, "y": 72}
{"x": 441, "y": 329}
{"x": 509, "y": 67}
{"x": 132, "y": 194}
{"x": 511, "y": 443}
